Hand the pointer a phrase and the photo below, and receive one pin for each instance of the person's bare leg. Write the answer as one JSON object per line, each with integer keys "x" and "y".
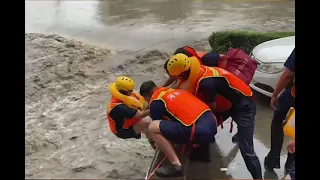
{"x": 142, "y": 127}
{"x": 162, "y": 143}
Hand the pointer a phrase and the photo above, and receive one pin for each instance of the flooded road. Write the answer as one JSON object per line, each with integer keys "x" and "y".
{"x": 66, "y": 130}
{"x": 164, "y": 24}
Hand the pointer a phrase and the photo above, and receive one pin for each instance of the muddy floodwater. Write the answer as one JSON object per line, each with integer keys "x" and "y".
{"x": 75, "y": 48}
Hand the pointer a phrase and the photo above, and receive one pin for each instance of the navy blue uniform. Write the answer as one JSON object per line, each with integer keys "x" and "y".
{"x": 119, "y": 114}
{"x": 243, "y": 112}
{"x": 292, "y": 170}
{"x": 286, "y": 100}
{"x": 176, "y": 132}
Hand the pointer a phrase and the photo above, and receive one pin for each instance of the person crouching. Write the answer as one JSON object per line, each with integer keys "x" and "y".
{"x": 125, "y": 111}
{"x": 178, "y": 118}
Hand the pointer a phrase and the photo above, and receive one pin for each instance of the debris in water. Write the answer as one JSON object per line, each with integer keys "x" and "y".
{"x": 223, "y": 169}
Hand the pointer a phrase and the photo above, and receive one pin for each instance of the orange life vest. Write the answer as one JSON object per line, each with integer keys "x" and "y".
{"x": 194, "y": 53}
{"x": 235, "y": 83}
{"x": 127, "y": 122}
{"x": 181, "y": 104}
{"x": 201, "y": 54}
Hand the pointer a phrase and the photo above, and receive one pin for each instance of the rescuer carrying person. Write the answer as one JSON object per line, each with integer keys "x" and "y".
{"x": 226, "y": 94}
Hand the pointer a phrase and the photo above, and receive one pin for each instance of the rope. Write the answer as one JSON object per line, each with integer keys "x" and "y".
{"x": 156, "y": 168}
{"x": 182, "y": 151}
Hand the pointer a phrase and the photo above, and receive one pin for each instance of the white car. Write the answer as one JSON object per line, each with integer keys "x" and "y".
{"x": 271, "y": 56}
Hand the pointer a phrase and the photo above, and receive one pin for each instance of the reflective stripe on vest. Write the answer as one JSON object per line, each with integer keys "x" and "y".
{"x": 233, "y": 81}
{"x": 182, "y": 105}
{"x": 112, "y": 123}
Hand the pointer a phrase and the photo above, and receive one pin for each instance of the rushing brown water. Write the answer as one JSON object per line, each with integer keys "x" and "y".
{"x": 66, "y": 94}
{"x": 165, "y": 24}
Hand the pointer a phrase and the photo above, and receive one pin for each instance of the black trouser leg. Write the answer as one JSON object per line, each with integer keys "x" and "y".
{"x": 285, "y": 102}
{"x": 245, "y": 120}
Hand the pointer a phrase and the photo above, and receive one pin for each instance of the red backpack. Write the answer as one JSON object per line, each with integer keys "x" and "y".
{"x": 241, "y": 65}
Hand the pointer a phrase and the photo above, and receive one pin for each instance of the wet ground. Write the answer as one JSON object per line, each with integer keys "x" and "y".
{"x": 66, "y": 81}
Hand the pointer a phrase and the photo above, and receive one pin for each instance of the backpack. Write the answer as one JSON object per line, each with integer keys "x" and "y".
{"x": 241, "y": 65}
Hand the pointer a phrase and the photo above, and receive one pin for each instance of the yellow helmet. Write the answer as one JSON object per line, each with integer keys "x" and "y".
{"x": 124, "y": 83}
{"x": 178, "y": 64}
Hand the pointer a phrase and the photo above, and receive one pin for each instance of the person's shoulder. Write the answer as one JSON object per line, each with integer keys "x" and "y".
{"x": 156, "y": 104}
{"x": 157, "y": 109}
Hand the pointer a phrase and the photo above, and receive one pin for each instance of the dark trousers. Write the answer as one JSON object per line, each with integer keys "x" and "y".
{"x": 243, "y": 113}
{"x": 292, "y": 170}
{"x": 286, "y": 100}
{"x": 245, "y": 118}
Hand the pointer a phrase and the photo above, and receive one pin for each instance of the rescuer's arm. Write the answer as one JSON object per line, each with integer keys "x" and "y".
{"x": 287, "y": 75}
{"x": 157, "y": 110}
{"x": 207, "y": 92}
{"x": 292, "y": 146}
{"x": 284, "y": 80}
{"x": 142, "y": 114}
{"x": 169, "y": 81}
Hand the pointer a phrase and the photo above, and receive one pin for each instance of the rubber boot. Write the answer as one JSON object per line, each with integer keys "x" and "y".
{"x": 270, "y": 166}
{"x": 138, "y": 136}
{"x": 235, "y": 138}
{"x": 170, "y": 171}
{"x": 201, "y": 153}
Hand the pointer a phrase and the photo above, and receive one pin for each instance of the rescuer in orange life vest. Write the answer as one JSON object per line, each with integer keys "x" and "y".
{"x": 125, "y": 111}
{"x": 178, "y": 117}
{"x": 209, "y": 83}
{"x": 207, "y": 59}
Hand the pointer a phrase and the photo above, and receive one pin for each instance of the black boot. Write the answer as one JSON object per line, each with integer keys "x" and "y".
{"x": 201, "y": 153}
{"x": 170, "y": 171}
{"x": 138, "y": 136}
{"x": 270, "y": 165}
{"x": 235, "y": 138}
{"x": 290, "y": 161}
